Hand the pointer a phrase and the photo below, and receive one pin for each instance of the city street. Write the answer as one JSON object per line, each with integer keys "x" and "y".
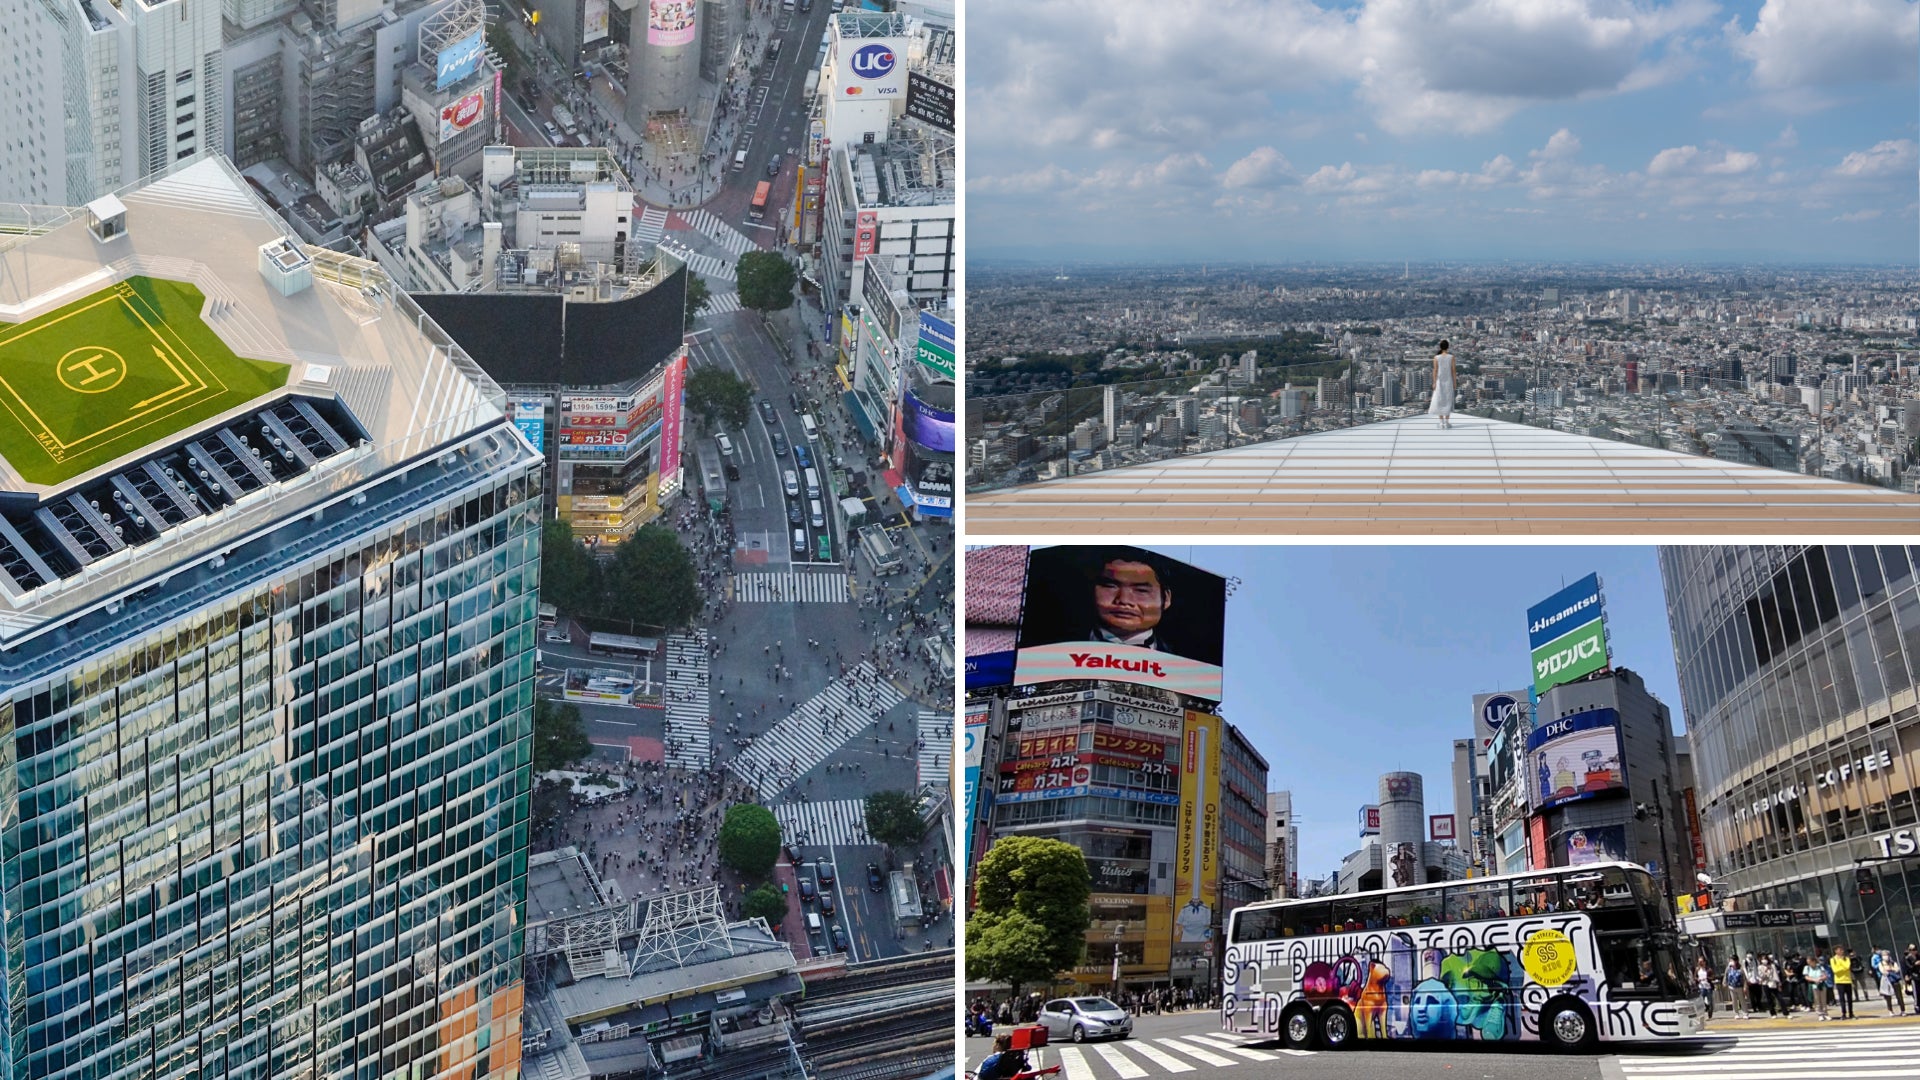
{"x": 1192, "y": 1041}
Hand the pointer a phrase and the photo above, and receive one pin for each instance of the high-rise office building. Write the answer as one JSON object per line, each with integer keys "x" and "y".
{"x": 99, "y": 94}
{"x": 1797, "y": 673}
{"x": 268, "y": 579}
{"x": 1283, "y": 846}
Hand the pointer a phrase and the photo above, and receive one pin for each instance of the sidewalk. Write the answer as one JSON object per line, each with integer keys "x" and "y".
{"x": 1725, "y": 1023}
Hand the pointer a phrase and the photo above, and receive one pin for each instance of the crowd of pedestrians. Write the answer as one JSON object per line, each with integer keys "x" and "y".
{"x": 1824, "y": 986}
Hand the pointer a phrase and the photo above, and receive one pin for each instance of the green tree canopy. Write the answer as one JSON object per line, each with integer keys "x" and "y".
{"x": 765, "y": 902}
{"x": 1030, "y": 917}
{"x": 698, "y": 297}
{"x": 893, "y": 818}
{"x": 766, "y": 281}
{"x": 559, "y": 735}
{"x": 569, "y": 577}
{"x": 652, "y": 580}
{"x": 750, "y": 840}
{"x": 714, "y": 395}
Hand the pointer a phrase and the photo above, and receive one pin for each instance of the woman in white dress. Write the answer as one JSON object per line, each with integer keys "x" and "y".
{"x": 1442, "y": 405}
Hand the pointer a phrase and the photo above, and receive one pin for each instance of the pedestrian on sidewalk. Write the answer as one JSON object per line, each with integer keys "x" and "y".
{"x": 1703, "y": 985}
{"x": 1768, "y": 980}
{"x": 1842, "y": 968}
{"x": 1735, "y": 980}
{"x": 1887, "y": 967}
{"x": 1910, "y": 967}
{"x": 1817, "y": 978}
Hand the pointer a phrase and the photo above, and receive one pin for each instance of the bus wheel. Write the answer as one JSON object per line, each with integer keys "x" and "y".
{"x": 1567, "y": 1025}
{"x": 1296, "y": 1028}
{"x": 1336, "y": 1027}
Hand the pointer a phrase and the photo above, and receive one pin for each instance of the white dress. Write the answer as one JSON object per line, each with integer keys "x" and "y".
{"x": 1442, "y": 387}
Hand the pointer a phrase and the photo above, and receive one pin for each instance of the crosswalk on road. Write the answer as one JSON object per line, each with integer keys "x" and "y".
{"x": 720, "y": 303}
{"x": 1830, "y": 1050}
{"x": 936, "y": 747}
{"x": 719, "y": 231}
{"x": 792, "y": 587}
{"x": 1142, "y": 1058}
{"x": 652, "y": 225}
{"x": 839, "y": 823}
{"x": 820, "y": 725}
{"x": 689, "y": 721}
{"x": 705, "y": 265}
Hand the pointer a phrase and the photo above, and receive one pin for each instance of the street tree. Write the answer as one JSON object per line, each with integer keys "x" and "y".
{"x": 699, "y": 297}
{"x": 569, "y": 577}
{"x": 765, "y": 902}
{"x": 1030, "y": 918}
{"x": 766, "y": 281}
{"x": 893, "y": 818}
{"x": 559, "y": 735}
{"x": 652, "y": 580}
{"x": 750, "y": 840}
{"x": 717, "y": 395}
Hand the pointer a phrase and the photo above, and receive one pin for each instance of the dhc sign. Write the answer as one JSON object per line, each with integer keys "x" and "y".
{"x": 873, "y": 62}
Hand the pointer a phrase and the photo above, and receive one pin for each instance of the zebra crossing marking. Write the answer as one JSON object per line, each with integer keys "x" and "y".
{"x": 704, "y": 265}
{"x": 1161, "y": 1058}
{"x": 1075, "y": 1064}
{"x": 721, "y": 303}
{"x": 791, "y": 587}
{"x": 840, "y": 823}
{"x": 652, "y": 225}
{"x": 1230, "y": 1047}
{"x": 718, "y": 231}
{"x": 1122, "y": 1064}
{"x": 1800, "y": 1055}
{"x": 1195, "y": 1052}
{"x": 689, "y": 719}
{"x": 815, "y": 729}
{"x": 936, "y": 748}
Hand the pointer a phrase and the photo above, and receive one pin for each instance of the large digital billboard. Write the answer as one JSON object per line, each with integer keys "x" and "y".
{"x": 1121, "y": 614}
{"x": 1574, "y": 757}
{"x": 1567, "y": 634}
{"x": 595, "y": 23}
{"x": 458, "y": 60}
{"x": 972, "y": 752}
{"x": 996, "y": 586}
{"x": 671, "y": 404}
{"x": 460, "y": 115}
{"x": 1596, "y": 844}
{"x": 927, "y": 425}
{"x": 670, "y": 22}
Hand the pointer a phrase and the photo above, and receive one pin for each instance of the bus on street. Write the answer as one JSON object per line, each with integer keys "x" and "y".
{"x": 1567, "y": 956}
{"x": 759, "y": 208}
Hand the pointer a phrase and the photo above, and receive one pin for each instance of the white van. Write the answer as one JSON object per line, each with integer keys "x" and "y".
{"x": 740, "y": 161}
{"x": 813, "y": 923}
{"x": 816, "y": 516}
{"x": 726, "y": 445}
{"x": 813, "y": 484}
{"x": 807, "y": 425}
{"x": 792, "y": 483}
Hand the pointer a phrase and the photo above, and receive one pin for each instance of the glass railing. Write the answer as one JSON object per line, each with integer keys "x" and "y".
{"x": 1853, "y": 433}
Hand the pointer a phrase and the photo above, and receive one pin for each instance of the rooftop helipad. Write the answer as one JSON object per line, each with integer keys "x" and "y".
{"x": 1411, "y": 477}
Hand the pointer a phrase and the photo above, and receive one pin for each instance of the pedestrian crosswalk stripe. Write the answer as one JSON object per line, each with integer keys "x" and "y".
{"x": 721, "y": 303}
{"x": 1075, "y": 1064}
{"x": 1230, "y": 1047}
{"x": 1786, "y": 1055}
{"x": 652, "y": 225}
{"x": 705, "y": 265}
{"x": 792, "y": 587}
{"x": 1296, "y": 1053}
{"x": 840, "y": 823}
{"x": 814, "y": 730}
{"x": 1161, "y": 1058}
{"x": 1826, "y": 1065}
{"x": 1195, "y": 1052}
{"x": 1120, "y": 1062}
{"x": 719, "y": 231}
{"x": 936, "y": 748}
{"x": 689, "y": 718}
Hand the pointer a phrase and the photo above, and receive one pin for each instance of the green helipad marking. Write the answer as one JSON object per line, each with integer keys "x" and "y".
{"x": 121, "y": 369}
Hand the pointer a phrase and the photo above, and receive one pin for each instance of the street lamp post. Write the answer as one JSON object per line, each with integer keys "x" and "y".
{"x": 1640, "y": 812}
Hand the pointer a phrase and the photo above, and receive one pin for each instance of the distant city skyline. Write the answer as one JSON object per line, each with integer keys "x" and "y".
{"x": 1341, "y": 131}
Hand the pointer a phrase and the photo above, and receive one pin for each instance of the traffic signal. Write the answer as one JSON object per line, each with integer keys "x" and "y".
{"x": 1863, "y": 877}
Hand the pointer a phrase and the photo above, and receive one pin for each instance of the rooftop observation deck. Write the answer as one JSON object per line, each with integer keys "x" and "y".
{"x": 1410, "y": 477}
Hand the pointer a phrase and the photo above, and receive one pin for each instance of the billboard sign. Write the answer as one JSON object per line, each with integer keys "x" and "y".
{"x": 1574, "y": 757}
{"x": 930, "y": 100}
{"x": 866, "y": 234}
{"x": 670, "y": 22}
{"x": 1597, "y": 844}
{"x": 1564, "y": 659}
{"x": 671, "y": 407}
{"x": 594, "y": 25}
{"x": 973, "y": 746}
{"x": 996, "y": 588}
{"x": 459, "y": 60}
{"x": 530, "y": 416}
{"x": 1491, "y": 712}
{"x": 1370, "y": 820}
{"x": 935, "y": 351}
{"x": 1440, "y": 826}
{"x": 1576, "y": 605}
{"x": 1121, "y": 614}
{"x": 877, "y": 68}
{"x": 928, "y": 425}
{"x": 458, "y": 116}
{"x": 1196, "y": 874}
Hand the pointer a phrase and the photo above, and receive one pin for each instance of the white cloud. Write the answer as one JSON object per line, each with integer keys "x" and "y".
{"x": 1883, "y": 159}
{"x": 1788, "y": 139}
{"x": 1264, "y": 167}
{"x": 1713, "y": 161}
{"x": 1801, "y": 43}
{"x": 1859, "y": 215}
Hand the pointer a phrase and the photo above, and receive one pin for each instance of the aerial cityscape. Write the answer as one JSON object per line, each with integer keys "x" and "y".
{"x": 477, "y": 549}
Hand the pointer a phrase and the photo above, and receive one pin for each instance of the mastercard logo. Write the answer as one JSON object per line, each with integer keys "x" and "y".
{"x": 852, "y": 90}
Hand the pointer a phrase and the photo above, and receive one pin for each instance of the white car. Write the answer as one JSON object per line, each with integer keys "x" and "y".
{"x": 558, "y": 635}
{"x": 726, "y": 445}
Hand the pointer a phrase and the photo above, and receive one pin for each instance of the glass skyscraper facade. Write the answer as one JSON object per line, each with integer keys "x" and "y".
{"x": 1799, "y": 669}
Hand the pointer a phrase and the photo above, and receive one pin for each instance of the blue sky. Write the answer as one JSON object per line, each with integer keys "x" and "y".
{"x": 1345, "y": 663}
{"x": 1437, "y": 130}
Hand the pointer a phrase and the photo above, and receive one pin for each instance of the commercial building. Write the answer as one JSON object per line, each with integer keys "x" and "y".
{"x": 99, "y": 94}
{"x": 1797, "y": 676}
{"x": 1283, "y": 846}
{"x": 1396, "y": 848}
{"x": 267, "y": 659}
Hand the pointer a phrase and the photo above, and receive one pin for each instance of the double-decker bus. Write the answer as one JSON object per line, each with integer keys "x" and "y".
{"x": 1567, "y": 956}
{"x": 759, "y": 208}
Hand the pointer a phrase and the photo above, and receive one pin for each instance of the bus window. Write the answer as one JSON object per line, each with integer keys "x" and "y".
{"x": 1536, "y": 896}
{"x": 1301, "y": 920}
{"x": 1256, "y": 924}
{"x": 1476, "y": 900}
{"x": 1357, "y": 913}
{"x": 1413, "y": 907}
{"x": 759, "y": 208}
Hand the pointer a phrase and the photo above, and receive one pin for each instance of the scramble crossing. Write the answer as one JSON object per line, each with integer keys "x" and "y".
{"x": 689, "y": 724}
{"x": 819, "y": 726}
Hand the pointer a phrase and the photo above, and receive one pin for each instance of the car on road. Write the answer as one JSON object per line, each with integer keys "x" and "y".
{"x": 874, "y": 882}
{"x": 826, "y": 904}
{"x": 766, "y": 411}
{"x": 726, "y": 445}
{"x": 791, "y": 483}
{"x": 793, "y": 513}
{"x": 733, "y": 471}
{"x": 806, "y": 889}
{"x": 1085, "y": 1018}
{"x": 839, "y": 938}
{"x": 825, "y": 548}
{"x": 553, "y": 133}
{"x": 826, "y": 874}
{"x": 779, "y": 444}
{"x": 800, "y": 548}
{"x": 559, "y": 635}
{"x": 773, "y": 165}
{"x": 802, "y": 458}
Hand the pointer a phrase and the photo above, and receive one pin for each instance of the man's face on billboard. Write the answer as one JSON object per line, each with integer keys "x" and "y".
{"x": 1128, "y": 597}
